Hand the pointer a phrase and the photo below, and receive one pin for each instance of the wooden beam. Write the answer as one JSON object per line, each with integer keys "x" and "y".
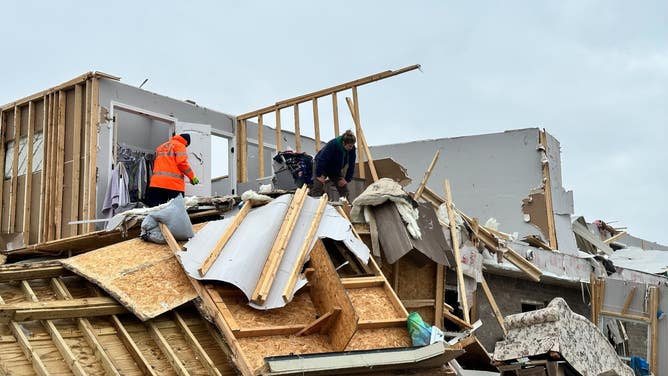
{"x": 27, "y": 193}
{"x": 335, "y": 112}
{"x": 225, "y": 237}
{"x": 362, "y": 282}
{"x": 495, "y": 307}
{"x": 265, "y": 331}
{"x": 278, "y": 248}
{"x": 19, "y": 272}
{"x": 531, "y": 270}
{"x": 627, "y": 316}
{"x": 383, "y": 323}
{"x": 166, "y": 349}
{"x": 128, "y": 342}
{"x": 439, "y": 299}
{"x": 355, "y": 111}
{"x": 71, "y": 360}
{"x": 552, "y": 232}
{"x": 195, "y": 345}
{"x": 456, "y": 320}
{"x": 260, "y": 146}
{"x": 363, "y": 145}
{"x": 3, "y": 157}
{"x": 288, "y": 291}
{"x": 59, "y": 309}
{"x": 316, "y": 124}
{"x": 427, "y": 174}
{"x": 322, "y": 324}
{"x": 60, "y": 165}
{"x": 654, "y": 328}
{"x": 95, "y": 123}
{"x": 76, "y": 159}
{"x": 13, "y": 194}
{"x": 241, "y": 151}
{"x": 324, "y": 92}
{"x": 87, "y": 330}
{"x": 29, "y": 352}
{"x": 455, "y": 246}
{"x": 86, "y": 166}
{"x": 219, "y": 303}
{"x": 627, "y": 301}
{"x": 615, "y": 237}
{"x": 418, "y": 303}
{"x": 298, "y": 137}
{"x": 278, "y": 130}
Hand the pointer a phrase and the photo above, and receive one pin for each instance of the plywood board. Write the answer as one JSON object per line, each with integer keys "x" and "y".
{"x": 145, "y": 277}
{"x": 327, "y": 292}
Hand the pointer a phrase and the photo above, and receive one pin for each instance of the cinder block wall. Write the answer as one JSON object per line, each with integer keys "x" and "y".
{"x": 510, "y": 293}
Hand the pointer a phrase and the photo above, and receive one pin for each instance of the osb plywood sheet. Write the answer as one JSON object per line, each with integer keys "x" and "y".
{"x": 372, "y": 303}
{"x": 257, "y": 348}
{"x": 417, "y": 282}
{"x": 145, "y": 277}
{"x": 300, "y": 311}
{"x": 369, "y": 339}
{"x": 328, "y": 292}
{"x": 427, "y": 313}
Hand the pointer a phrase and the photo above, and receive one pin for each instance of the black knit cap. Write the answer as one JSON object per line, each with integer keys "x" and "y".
{"x": 186, "y": 137}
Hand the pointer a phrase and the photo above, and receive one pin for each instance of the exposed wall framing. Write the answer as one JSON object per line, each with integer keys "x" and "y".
{"x": 49, "y": 152}
{"x": 241, "y": 137}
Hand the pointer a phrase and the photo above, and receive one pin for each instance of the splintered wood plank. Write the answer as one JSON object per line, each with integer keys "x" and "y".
{"x": 440, "y": 296}
{"x": 303, "y": 251}
{"x": 260, "y": 146}
{"x": 166, "y": 349}
{"x": 654, "y": 328}
{"x": 359, "y": 282}
{"x": 30, "y": 353}
{"x": 327, "y": 293}
{"x": 58, "y": 340}
{"x": 458, "y": 258}
{"x": 548, "y": 193}
{"x": 195, "y": 345}
{"x": 278, "y": 130}
{"x": 298, "y": 140}
{"x": 86, "y": 329}
{"x": 224, "y": 238}
{"x": 427, "y": 174}
{"x": 278, "y": 248}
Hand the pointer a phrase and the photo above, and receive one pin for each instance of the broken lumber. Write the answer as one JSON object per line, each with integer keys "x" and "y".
{"x": 362, "y": 140}
{"x": 306, "y": 245}
{"x": 427, "y": 174}
{"x": 59, "y": 309}
{"x": 227, "y": 235}
{"x": 455, "y": 247}
{"x": 278, "y": 248}
{"x": 521, "y": 263}
{"x": 492, "y": 303}
{"x": 322, "y": 324}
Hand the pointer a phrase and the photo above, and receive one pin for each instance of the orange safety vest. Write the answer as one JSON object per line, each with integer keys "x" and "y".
{"x": 171, "y": 164}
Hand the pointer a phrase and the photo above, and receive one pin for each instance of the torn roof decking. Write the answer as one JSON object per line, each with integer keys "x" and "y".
{"x": 106, "y": 344}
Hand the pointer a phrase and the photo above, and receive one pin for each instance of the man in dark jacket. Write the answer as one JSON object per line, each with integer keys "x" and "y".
{"x": 336, "y": 162}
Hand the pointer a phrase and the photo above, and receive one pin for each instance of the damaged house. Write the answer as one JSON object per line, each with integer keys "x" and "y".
{"x": 298, "y": 285}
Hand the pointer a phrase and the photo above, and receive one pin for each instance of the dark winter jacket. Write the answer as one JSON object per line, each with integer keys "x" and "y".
{"x": 331, "y": 159}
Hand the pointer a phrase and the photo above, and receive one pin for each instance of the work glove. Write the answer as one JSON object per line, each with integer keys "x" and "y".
{"x": 194, "y": 181}
{"x": 342, "y": 182}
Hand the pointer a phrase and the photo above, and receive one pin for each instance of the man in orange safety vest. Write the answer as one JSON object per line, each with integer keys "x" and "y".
{"x": 169, "y": 168}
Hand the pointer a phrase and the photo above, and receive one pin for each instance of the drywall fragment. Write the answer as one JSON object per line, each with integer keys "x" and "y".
{"x": 535, "y": 211}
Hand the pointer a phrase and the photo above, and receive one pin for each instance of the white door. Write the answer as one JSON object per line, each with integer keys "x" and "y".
{"x": 199, "y": 156}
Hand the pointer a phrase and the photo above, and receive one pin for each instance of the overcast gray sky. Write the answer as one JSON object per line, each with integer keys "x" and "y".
{"x": 593, "y": 73}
